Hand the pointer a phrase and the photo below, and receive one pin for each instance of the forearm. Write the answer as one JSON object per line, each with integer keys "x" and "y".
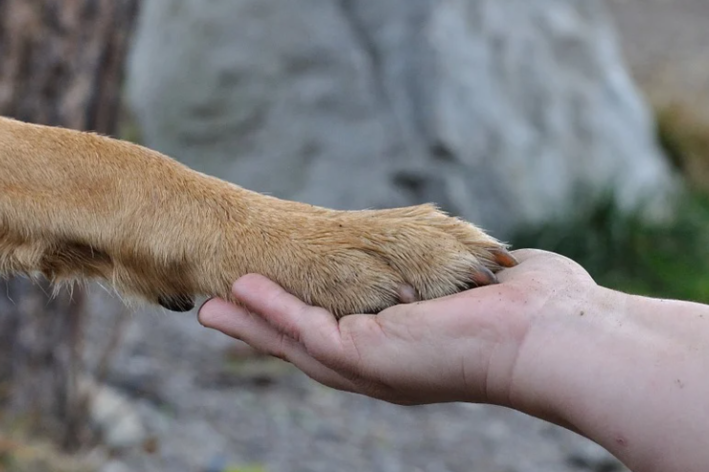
{"x": 628, "y": 372}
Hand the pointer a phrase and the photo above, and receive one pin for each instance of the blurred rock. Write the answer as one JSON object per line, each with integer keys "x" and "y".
{"x": 115, "y": 466}
{"x": 585, "y": 455}
{"x": 114, "y": 415}
{"x": 504, "y": 112}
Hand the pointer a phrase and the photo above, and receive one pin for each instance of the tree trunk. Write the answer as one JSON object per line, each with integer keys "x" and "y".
{"x": 61, "y": 63}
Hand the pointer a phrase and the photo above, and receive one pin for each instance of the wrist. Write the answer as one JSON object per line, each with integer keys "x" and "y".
{"x": 568, "y": 345}
{"x": 620, "y": 373}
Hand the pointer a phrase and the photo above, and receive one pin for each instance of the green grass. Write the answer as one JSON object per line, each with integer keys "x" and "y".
{"x": 624, "y": 252}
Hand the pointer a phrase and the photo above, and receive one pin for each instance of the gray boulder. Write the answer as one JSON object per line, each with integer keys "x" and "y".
{"x": 502, "y": 111}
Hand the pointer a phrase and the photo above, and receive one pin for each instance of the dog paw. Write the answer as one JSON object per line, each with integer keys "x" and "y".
{"x": 364, "y": 262}
{"x": 345, "y": 262}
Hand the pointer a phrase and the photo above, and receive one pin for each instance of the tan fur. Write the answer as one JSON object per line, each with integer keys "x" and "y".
{"x": 78, "y": 205}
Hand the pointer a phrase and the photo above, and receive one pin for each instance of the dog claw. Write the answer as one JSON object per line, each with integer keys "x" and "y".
{"x": 177, "y": 303}
{"x": 484, "y": 277}
{"x": 504, "y": 257}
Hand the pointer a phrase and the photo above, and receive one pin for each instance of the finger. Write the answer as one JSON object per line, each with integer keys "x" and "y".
{"x": 522, "y": 255}
{"x": 238, "y": 323}
{"x": 540, "y": 256}
{"x": 311, "y": 367}
{"x": 315, "y": 328}
{"x": 535, "y": 260}
{"x": 524, "y": 258}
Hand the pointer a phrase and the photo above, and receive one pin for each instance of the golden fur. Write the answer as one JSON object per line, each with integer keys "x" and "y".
{"x": 78, "y": 205}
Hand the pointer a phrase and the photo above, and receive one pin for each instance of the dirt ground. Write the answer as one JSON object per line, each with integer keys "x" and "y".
{"x": 207, "y": 410}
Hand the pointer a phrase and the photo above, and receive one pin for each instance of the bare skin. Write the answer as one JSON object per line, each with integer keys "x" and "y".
{"x": 625, "y": 371}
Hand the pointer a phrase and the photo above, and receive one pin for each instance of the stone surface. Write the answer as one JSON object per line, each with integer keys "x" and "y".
{"x": 114, "y": 415}
{"x": 666, "y": 44}
{"x": 500, "y": 111}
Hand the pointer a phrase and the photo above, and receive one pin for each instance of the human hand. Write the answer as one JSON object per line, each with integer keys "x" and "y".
{"x": 460, "y": 348}
{"x": 546, "y": 340}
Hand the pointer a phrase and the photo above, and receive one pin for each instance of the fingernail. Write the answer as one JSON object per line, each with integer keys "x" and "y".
{"x": 199, "y": 312}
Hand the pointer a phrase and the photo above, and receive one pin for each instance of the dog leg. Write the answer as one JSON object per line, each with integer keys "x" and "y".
{"x": 77, "y": 205}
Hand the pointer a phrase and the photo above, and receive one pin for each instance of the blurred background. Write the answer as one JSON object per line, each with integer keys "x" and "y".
{"x": 578, "y": 126}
